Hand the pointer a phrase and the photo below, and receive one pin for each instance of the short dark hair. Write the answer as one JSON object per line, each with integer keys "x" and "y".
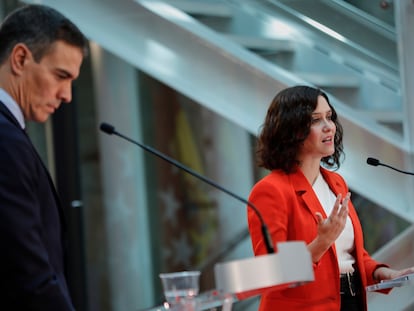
{"x": 38, "y": 27}
{"x": 287, "y": 125}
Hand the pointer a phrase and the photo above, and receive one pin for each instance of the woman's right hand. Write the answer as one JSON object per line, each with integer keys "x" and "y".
{"x": 330, "y": 228}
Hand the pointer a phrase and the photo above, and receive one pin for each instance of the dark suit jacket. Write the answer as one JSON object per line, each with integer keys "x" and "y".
{"x": 288, "y": 205}
{"x": 31, "y": 227}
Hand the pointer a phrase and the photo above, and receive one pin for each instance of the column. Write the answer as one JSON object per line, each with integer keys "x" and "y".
{"x": 122, "y": 171}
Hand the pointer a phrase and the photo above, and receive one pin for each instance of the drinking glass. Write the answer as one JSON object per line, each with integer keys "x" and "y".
{"x": 180, "y": 288}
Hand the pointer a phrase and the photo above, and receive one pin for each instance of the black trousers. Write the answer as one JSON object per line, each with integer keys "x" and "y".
{"x": 351, "y": 292}
{"x": 349, "y": 303}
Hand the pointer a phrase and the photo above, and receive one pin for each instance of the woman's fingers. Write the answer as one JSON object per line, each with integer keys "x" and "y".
{"x": 337, "y": 204}
{"x": 343, "y": 212}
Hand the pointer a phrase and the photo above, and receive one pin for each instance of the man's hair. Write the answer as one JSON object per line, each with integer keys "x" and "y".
{"x": 38, "y": 27}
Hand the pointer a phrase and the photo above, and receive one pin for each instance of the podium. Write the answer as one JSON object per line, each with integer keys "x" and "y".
{"x": 240, "y": 279}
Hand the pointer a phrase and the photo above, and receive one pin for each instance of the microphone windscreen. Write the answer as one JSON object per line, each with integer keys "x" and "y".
{"x": 372, "y": 161}
{"x": 107, "y": 128}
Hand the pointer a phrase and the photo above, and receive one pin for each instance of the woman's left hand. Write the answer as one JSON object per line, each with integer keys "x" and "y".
{"x": 384, "y": 273}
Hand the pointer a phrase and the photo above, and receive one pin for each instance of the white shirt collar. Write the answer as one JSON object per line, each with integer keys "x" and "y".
{"x": 14, "y": 108}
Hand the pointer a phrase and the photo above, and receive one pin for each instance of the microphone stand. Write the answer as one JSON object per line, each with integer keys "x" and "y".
{"x": 109, "y": 129}
{"x": 291, "y": 266}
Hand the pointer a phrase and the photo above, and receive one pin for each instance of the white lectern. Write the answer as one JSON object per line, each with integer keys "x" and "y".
{"x": 236, "y": 280}
{"x": 290, "y": 266}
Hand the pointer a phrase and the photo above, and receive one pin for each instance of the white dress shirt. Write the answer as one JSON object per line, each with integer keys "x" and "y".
{"x": 14, "y": 108}
{"x": 344, "y": 244}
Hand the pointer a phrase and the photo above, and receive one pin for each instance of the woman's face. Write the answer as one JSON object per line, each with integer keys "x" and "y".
{"x": 320, "y": 141}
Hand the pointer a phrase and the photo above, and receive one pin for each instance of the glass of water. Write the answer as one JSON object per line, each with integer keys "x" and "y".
{"x": 180, "y": 287}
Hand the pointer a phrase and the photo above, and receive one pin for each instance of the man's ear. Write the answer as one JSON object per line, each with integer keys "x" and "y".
{"x": 19, "y": 57}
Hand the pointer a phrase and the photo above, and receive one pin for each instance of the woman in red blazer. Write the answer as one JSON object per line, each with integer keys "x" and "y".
{"x": 302, "y": 200}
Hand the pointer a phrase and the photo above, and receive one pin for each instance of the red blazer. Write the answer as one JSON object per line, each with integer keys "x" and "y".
{"x": 288, "y": 205}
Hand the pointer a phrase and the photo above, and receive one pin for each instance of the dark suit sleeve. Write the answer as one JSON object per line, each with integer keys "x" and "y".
{"x": 29, "y": 280}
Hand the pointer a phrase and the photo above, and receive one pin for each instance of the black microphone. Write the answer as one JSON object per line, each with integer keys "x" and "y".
{"x": 376, "y": 162}
{"x": 110, "y": 129}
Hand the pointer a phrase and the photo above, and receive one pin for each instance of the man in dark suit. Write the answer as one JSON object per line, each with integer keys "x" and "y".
{"x": 41, "y": 52}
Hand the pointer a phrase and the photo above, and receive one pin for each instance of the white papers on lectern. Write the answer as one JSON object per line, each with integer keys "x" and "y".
{"x": 397, "y": 282}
